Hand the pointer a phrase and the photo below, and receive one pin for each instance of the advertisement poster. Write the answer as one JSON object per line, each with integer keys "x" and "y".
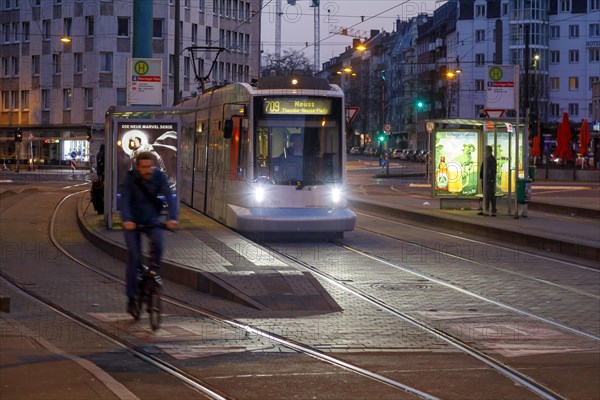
{"x": 158, "y": 138}
{"x": 504, "y": 160}
{"x": 455, "y": 169}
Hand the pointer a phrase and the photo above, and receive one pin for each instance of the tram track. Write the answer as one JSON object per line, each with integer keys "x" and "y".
{"x": 137, "y": 351}
{"x": 189, "y": 379}
{"x": 515, "y": 375}
{"x": 454, "y": 256}
{"x": 469, "y": 240}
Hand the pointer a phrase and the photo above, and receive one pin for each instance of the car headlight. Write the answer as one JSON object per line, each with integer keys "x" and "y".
{"x": 259, "y": 194}
{"x": 336, "y": 195}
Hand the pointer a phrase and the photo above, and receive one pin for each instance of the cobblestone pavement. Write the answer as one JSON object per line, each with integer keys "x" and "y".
{"x": 360, "y": 332}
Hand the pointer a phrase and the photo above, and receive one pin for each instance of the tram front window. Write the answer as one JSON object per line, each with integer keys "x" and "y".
{"x": 298, "y": 152}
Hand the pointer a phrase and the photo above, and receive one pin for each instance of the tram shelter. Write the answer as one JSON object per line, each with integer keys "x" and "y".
{"x": 131, "y": 130}
{"x": 457, "y": 150}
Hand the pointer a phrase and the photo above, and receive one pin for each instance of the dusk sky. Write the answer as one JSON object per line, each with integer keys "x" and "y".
{"x": 297, "y": 25}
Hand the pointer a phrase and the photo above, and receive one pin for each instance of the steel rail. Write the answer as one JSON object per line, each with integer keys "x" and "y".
{"x": 504, "y": 369}
{"x": 177, "y": 373}
{"x": 501, "y": 246}
{"x": 473, "y": 294}
{"x": 447, "y": 254}
{"x": 292, "y": 344}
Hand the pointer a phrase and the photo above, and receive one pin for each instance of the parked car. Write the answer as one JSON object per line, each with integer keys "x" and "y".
{"x": 356, "y": 150}
{"x": 396, "y": 153}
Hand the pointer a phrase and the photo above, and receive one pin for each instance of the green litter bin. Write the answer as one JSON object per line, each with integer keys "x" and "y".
{"x": 523, "y": 191}
{"x": 532, "y": 173}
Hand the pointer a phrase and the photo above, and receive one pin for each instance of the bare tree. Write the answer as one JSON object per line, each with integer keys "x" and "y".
{"x": 291, "y": 62}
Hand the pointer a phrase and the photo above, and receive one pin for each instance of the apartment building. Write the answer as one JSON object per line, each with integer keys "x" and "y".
{"x": 58, "y": 91}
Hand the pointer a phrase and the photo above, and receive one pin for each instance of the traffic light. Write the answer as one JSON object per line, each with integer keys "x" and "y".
{"x": 420, "y": 104}
{"x": 381, "y": 137}
{"x": 88, "y": 134}
{"x": 18, "y": 135}
{"x": 52, "y": 141}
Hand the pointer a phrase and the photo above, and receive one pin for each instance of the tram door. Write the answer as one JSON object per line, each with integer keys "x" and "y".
{"x": 200, "y": 166}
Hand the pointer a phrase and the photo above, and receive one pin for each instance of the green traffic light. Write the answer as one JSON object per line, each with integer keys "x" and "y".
{"x": 420, "y": 104}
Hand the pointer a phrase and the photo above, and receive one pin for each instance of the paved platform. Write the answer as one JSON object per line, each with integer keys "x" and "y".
{"x": 204, "y": 255}
{"x": 561, "y": 218}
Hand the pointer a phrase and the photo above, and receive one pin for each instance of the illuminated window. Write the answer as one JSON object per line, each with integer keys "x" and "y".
{"x": 573, "y": 83}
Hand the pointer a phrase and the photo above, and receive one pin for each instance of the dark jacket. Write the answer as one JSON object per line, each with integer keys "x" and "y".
{"x": 100, "y": 163}
{"x": 490, "y": 163}
{"x": 136, "y": 206}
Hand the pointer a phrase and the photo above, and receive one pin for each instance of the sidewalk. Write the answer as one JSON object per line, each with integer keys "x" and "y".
{"x": 562, "y": 218}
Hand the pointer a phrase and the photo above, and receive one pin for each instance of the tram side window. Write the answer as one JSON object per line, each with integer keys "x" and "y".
{"x": 243, "y": 151}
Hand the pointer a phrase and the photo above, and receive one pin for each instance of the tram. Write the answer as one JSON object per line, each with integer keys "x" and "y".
{"x": 268, "y": 157}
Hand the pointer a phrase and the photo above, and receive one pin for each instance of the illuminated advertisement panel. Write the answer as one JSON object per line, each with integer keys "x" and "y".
{"x": 158, "y": 138}
{"x": 456, "y": 160}
{"x": 296, "y": 106}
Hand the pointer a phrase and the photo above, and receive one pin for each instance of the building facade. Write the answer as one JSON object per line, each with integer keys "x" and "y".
{"x": 58, "y": 91}
{"x": 439, "y": 61}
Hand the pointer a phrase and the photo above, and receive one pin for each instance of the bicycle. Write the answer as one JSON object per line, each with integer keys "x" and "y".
{"x": 149, "y": 292}
{"x": 149, "y": 288}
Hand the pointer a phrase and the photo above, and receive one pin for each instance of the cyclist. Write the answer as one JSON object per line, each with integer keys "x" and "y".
{"x": 141, "y": 206}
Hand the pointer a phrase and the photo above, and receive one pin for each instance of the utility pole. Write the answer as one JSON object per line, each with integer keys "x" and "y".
{"x": 177, "y": 52}
{"x": 278, "y": 16}
{"x": 316, "y": 5}
{"x": 142, "y": 29}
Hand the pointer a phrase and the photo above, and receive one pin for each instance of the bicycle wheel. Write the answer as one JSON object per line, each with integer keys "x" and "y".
{"x": 154, "y": 306}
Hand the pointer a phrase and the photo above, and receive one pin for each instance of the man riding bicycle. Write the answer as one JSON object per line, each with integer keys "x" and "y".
{"x": 140, "y": 205}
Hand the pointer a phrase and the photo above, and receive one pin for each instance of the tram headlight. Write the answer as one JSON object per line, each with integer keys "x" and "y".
{"x": 336, "y": 195}
{"x": 259, "y": 194}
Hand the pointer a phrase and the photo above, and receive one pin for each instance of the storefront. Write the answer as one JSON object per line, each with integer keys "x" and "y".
{"x": 46, "y": 147}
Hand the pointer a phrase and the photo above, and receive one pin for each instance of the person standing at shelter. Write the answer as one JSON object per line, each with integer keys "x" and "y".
{"x": 141, "y": 206}
{"x": 100, "y": 163}
{"x": 487, "y": 174}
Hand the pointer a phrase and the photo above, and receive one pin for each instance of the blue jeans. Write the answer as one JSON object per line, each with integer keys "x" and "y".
{"x": 134, "y": 262}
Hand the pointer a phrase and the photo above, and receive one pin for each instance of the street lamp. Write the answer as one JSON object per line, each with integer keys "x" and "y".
{"x": 361, "y": 47}
{"x": 455, "y": 74}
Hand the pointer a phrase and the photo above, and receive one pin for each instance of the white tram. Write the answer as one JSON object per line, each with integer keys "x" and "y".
{"x": 269, "y": 157}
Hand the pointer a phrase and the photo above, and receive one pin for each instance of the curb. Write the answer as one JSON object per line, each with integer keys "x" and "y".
{"x": 508, "y": 236}
{"x": 174, "y": 272}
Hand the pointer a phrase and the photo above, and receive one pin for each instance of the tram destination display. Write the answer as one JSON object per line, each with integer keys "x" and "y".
{"x": 296, "y": 106}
